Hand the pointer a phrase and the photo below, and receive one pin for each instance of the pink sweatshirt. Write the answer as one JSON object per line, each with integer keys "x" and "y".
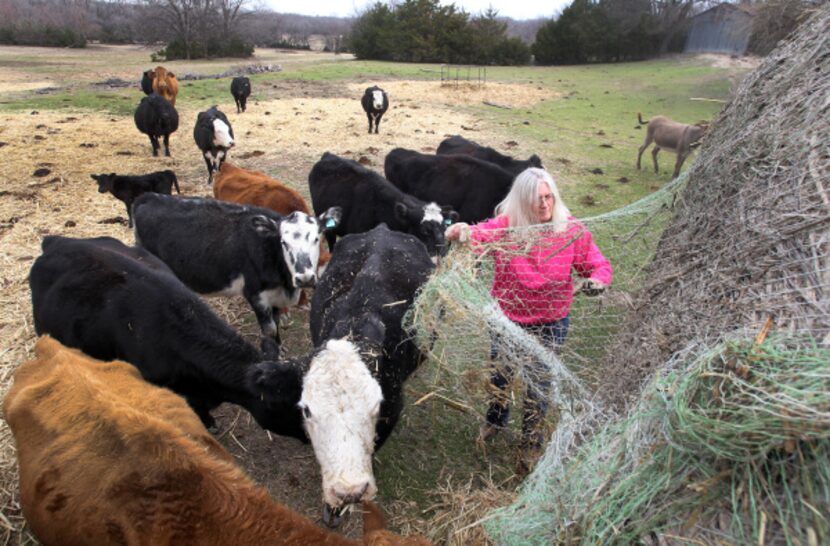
{"x": 536, "y": 287}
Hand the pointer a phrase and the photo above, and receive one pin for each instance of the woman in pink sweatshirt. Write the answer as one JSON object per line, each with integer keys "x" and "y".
{"x": 533, "y": 286}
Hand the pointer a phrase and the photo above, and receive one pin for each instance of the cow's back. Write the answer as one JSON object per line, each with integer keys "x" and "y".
{"x": 236, "y": 185}
{"x": 104, "y": 456}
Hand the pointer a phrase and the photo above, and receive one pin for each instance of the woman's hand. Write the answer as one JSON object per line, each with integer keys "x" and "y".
{"x": 592, "y": 287}
{"x": 458, "y": 232}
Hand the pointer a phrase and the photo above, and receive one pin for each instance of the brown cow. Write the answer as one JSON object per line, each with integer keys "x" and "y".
{"x": 164, "y": 83}
{"x": 107, "y": 458}
{"x": 245, "y": 187}
{"x": 672, "y": 136}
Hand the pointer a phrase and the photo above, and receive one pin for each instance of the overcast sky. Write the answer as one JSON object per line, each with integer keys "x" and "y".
{"x": 517, "y": 9}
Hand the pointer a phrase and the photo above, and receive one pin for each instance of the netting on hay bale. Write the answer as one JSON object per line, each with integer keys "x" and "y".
{"x": 729, "y": 440}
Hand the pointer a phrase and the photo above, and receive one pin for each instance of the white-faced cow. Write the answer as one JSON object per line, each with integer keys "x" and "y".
{"x": 107, "y": 458}
{"x": 127, "y": 188}
{"x": 375, "y": 103}
{"x": 214, "y": 137}
{"x": 356, "y": 315}
{"x": 117, "y": 302}
{"x": 459, "y": 145}
{"x": 367, "y": 199}
{"x": 156, "y": 118}
{"x": 217, "y": 247}
{"x": 241, "y": 90}
{"x": 470, "y": 186}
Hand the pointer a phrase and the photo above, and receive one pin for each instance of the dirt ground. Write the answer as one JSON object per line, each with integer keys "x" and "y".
{"x": 46, "y": 189}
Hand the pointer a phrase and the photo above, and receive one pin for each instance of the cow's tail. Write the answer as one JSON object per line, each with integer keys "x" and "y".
{"x": 640, "y": 119}
{"x": 373, "y": 519}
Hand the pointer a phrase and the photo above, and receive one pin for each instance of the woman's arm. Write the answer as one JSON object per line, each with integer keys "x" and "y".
{"x": 589, "y": 261}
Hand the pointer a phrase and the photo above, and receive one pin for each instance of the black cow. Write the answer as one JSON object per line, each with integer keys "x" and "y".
{"x": 241, "y": 90}
{"x": 369, "y": 284}
{"x": 214, "y": 137}
{"x": 470, "y": 186}
{"x": 155, "y": 117}
{"x": 117, "y": 302}
{"x": 127, "y": 188}
{"x": 214, "y": 246}
{"x": 460, "y": 145}
{"x": 367, "y": 199}
{"x": 375, "y": 103}
{"x": 147, "y": 82}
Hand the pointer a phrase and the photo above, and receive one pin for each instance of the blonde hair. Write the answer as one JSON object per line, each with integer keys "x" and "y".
{"x": 518, "y": 205}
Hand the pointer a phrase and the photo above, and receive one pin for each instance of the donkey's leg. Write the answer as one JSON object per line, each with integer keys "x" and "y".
{"x": 654, "y": 157}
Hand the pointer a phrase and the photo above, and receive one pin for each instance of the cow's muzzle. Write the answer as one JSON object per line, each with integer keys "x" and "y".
{"x": 305, "y": 280}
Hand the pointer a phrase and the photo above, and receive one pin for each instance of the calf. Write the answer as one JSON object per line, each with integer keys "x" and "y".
{"x": 163, "y": 83}
{"x": 235, "y": 250}
{"x": 460, "y": 145}
{"x": 241, "y": 90}
{"x": 236, "y": 185}
{"x": 116, "y": 302}
{"x": 214, "y": 137}
{"x": 367, "y": 199}
{"x": 106, "y": 458}
{"x": 127, "y": 188}
{"x": 369, "y": 285}
{"x": 375, "y": 103}
{"x": 470, "y": 186}
{"x": 672, "y": 136}
{"x": 156, "y": 118}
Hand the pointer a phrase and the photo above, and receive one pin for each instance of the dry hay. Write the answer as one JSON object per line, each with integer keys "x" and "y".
{"x": 283, "y": 137}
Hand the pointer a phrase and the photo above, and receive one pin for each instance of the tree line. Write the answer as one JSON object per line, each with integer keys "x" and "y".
{"x": 395, "y": 30}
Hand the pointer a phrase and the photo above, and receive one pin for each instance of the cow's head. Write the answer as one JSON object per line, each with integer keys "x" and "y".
{"x": 377, "y": 99}
{"x": 300, "y": 239}
{"x": 104, "y": 181}
{"x": 222, "y": 137}
{"x": 428, "y": 223}
{"x": 341, "y": 403}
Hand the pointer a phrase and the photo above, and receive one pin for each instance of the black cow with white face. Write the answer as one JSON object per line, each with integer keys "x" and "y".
{"x": 367, "y": 199}
{"x": 470, "y": 186}
{"x": 241, "y": 90}
{"x": 357, "y": 309}
{"x": 127, "y": 188}
{"x": 214, "y": 137}
{"x": 117, "y": 302}
{"x": 375, "y": 103}
{"x": 156, "y": 118}
{"x": 219, "y": 247}
{"x": 459, "y": 145}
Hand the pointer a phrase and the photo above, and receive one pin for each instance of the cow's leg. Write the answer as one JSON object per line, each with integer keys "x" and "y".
{"x": 377, "y": 122}
{"x": 681, "y": 157}
{"x": 244, "y": 103}
{"x": 654, "y": 157}
{"x": 264, "y": 316}
{"x": 167, "y": 145}
{"x": 209, "y": 163}
{"x": 154, "y": 142}
{"x": 129, "y": 213}
{"x": 369, "y": 117}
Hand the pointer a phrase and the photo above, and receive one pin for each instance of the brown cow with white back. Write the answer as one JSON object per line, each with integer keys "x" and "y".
{"x": 107, "y": 458}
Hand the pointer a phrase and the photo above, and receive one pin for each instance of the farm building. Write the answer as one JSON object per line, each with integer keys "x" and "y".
{"x": 725, "y": 28}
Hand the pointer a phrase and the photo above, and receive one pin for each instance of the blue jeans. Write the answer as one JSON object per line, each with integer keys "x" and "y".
{"x": 537, "y": 390}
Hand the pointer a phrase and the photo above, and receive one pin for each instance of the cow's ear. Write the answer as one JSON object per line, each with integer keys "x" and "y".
{"x": 95, "y": 176}
{"x": 275, "y": 381}
{"x": 401, "y": 211}
{"x": 330, "y": 219}
{"x": 171, "y": 74}
{"x": 450, "y": 216}
{"x": 264, "y": 226}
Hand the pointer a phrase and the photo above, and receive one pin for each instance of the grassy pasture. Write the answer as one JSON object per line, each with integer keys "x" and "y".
{"x": 577, "y": 119}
